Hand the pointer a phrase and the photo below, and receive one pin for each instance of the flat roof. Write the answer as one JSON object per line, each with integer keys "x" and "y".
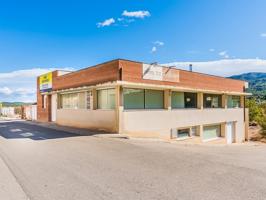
{"x": 161, "y": 65}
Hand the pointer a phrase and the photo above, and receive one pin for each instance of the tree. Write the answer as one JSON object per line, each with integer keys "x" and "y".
{"x": 255, "y": 111}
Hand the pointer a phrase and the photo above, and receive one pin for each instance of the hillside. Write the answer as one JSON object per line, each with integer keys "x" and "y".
{"x": 257, "y": 83}
{"x": 14, "y": 104}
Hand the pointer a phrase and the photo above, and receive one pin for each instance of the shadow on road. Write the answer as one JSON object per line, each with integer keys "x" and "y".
{"x": 20, "y": 130}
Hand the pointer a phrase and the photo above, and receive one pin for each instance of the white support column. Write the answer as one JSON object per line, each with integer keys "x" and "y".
{"x": 242, "y": 101}
{"x": 167, "y": 99}
{"x": 200, "y": 129}
{"x": 119, "y": 108}
{"x": 94, "y": 99}
{"x": 224, "y": 101}
{"x": 200, "y": 100}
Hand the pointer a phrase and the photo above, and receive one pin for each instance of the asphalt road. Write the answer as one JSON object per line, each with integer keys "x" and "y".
{"x": 54, "y": 165}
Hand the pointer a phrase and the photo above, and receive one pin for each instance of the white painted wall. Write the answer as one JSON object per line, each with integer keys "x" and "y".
{"x": 91, "y": 119}
{"x": 8, "y": 111}
{"x": 54, "y": 107}
{"x": 160, "y": 122}
{"x": 31, "y": 112}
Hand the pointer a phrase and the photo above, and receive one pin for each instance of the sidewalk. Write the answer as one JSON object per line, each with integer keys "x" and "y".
{"x": 9, "y": 187}
{"x": 77, "y": 131}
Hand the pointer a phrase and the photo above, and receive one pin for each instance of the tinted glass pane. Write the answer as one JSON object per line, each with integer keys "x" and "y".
{"x": 82, "y": 100}
{"x": 233, "y": 101}
{"x": 183, "y": 133}
{"x": 210, "y": 132}
{"x": 102, "y": 99}
{"x": 111, "y": 99}
{"x": 190, "y": 100}
{"x": 69, "y": 101}
{"x": 178, "y": 100}
{"x": 212, "y": 101}
{"x": 106, "y": 99}
{"x": 154, "y": 99}
{"x": 133, "y": 98}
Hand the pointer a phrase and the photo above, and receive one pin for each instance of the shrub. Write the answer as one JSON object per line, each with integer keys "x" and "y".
{"x": 255, "y": 111}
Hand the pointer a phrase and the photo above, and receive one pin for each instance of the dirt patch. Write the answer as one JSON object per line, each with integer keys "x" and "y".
{"x": 255, "y": 134}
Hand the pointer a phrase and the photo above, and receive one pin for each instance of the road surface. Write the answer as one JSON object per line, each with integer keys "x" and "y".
{"x": 56, "y": 165}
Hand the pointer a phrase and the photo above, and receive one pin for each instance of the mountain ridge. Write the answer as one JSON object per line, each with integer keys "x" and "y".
{"x": 257, "y": 83}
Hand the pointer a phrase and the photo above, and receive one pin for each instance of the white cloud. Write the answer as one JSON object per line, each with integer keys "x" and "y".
{"x": 224, "y": 54}
{"x": 158, "y": 43}
{"x": 106, "y": 22}
{"x": 137, "y": 14}
{"x": 211, "y": 50}
{"x": 225, "y": 67}
{"x": 263, "y": 34}
{"x": 5, "y": 91}
{"x": 20, "y": 85}
{"x": 153, "y": 49}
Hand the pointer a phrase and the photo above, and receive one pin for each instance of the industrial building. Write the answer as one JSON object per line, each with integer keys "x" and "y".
{"x": 145, "y": 100}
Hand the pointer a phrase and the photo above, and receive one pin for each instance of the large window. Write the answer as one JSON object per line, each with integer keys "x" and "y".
{"x": 212, "y": 101}
{"x": 133, "y": 98}
{"x": 143, "y": 99}
{"x": 184, "y": 100}
{"x": 73, "y": 100}
{"x": 181, "y": 133}
{"x": 211, "y": 132}
{"x": 106, "y": 99}
{"x": 233, "y": 101}
{"x": 154, "y": 99}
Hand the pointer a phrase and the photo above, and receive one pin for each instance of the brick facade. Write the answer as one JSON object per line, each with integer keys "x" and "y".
{"x": 130, "y": 71}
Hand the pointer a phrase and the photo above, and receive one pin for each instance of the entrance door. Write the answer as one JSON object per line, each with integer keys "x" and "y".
{"x": 54, "y": 107}
{"x": 230, "y": 132}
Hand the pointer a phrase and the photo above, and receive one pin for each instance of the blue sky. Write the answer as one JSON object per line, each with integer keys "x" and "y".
{"x": 39, "y": 35}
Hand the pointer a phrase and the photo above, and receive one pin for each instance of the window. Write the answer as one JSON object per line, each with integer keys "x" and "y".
{"x": 106, "y": 99}
{"x": 184, "y": 100}
{"x": 143, "y": 99}
{"x": 73, "y": 101}
{"x": 233, "y": 101}
{"x": 183, "y": 133}
{"x": 154, "y": 99}
{"x": 133, "y": 98}
{"x": 211, "y": 132}
{"x": 212, "y": 101}
{"x": 178, "y": 100}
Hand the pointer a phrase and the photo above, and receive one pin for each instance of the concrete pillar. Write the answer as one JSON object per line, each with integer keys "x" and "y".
{"x": 242, "y": 101}
{"x": 200, "y": 131}
{"x": 224, "y": 101}
{"x": 247, "y": 138}
{"x": 200, "y": 100}
{"x": 223, "y": 130}
{"x": 119, "y": 108}
{"x": 167, "y": 99}
{"x": 94, "y": 99}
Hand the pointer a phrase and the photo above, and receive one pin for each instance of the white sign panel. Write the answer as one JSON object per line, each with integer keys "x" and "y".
{"x": 152, "y": 72}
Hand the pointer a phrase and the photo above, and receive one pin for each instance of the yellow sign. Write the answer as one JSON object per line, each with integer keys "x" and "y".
{"x": 46, "y": 82}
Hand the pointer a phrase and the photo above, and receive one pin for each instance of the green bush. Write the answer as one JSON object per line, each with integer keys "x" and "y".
{"x": 257, "y": 113}
{"x": 263, "y": 126}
